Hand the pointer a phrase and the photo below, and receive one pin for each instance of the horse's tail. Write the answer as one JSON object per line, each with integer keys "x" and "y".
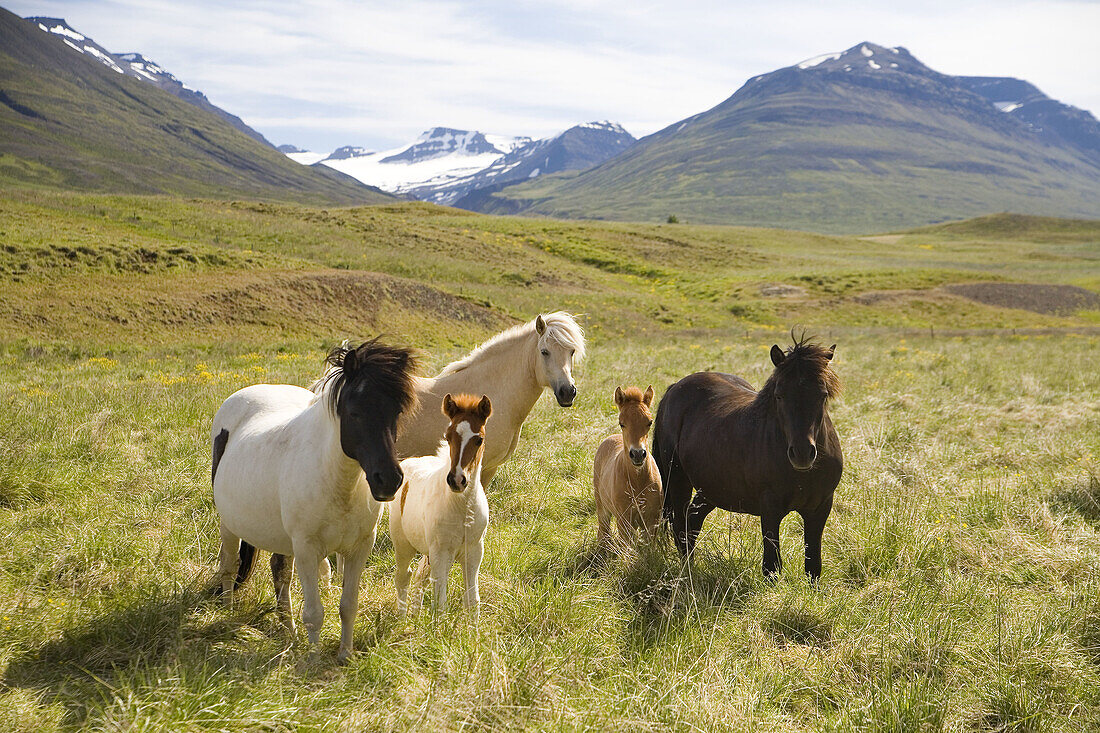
{"x": 247, "y": 559}
{"x": 247, "y": 553}
{"x": 663, "y": 455}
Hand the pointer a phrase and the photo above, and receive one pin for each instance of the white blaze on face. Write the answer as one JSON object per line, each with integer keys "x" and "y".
{"x": 466, "y": 433}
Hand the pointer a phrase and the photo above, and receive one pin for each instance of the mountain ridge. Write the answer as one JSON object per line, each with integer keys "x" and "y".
{"x": 138, "y": 66}
{"x": 867, "y": 139}
{"x": 70, "y": 121}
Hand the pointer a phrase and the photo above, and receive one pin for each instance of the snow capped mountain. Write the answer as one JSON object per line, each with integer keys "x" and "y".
{"x": 438, "y": 155}
{"x": 439, "y": 142}
{"x": 578, "y": 148}
{"x": 865, "y": 56}
{"x": 444, "y": 164}
{"x": 139, "y": 67}
{"x": 1050, "y": 120}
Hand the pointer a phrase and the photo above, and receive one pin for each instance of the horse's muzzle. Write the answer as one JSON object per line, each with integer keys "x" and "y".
{"x": 566, "y": 394}
{"x": 457, "y": 485}
{"x": 637, "y": 457}
{"x": 384, "y": 484}
{"x": 802, "y": 460}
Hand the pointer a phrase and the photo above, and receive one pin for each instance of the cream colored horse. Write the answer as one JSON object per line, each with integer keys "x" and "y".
{"x": 512, "y": 369}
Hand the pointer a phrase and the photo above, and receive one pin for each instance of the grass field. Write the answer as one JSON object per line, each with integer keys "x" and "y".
{"x": 961, "y": 581}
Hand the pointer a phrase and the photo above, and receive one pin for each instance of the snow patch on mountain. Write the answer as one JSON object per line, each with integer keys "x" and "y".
{"x": 817, "y": 60}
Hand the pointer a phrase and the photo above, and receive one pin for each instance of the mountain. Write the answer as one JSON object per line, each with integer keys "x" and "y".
{"x": 458, "y": 167}
{"x": 578, "y": 148}
{"x": 139, "y": 67}
{"x": 70, "y": 120}
{"x": 868, "y": 139}
{"x": 437, "y": 156}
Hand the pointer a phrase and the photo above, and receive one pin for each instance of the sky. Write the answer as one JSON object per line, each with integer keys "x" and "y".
{"x": 324, "y": 73}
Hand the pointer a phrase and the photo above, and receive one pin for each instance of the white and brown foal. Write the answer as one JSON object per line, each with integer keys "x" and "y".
{"x": 625, "y": 476}
{"x": 441, "y": 511}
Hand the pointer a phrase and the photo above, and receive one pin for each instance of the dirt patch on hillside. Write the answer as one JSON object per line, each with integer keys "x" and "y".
{"x": 359, "y": 297}
{"x": 781, "y": 290}
{"x": 254, "y": 304}
{"x": 1038, "y": 298}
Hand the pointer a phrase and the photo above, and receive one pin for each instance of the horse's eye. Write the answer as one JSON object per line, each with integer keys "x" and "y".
{"x": 649, "y": 424}
{"x": 545, "y": 352}
{"x": 478, "y": 440}
{"x": 778, "y": 396}
{"x": 621, "y": 426}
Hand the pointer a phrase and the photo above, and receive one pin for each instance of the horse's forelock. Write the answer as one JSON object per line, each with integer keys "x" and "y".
{"x": 633, "y": 394}
{"x": 391, "y": 369}
{"x": 563, "y": 328}
{"x": 809, "y": 360}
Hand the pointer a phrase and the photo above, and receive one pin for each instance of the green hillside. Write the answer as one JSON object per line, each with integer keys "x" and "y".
{"x": 226, "y": 265}
{"x": 68, "y": 122}
{"x": 837, "y": 147}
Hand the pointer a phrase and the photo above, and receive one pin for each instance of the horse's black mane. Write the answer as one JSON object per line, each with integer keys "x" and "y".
{"x": 387, "y": 369}
{"x": 805, "y": 360}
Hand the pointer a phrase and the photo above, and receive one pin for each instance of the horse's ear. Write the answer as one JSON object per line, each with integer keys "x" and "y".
{"x": 350, "y": 362}
{"x": 619, "y": 396}
{"x": 777, "y": 355}
{"x": 485, "y": 407}
{"x": 832, "y": 350}
{"x": 540, "y": 325}
{"x": 449, "y": 405}
{"x": 647, "y": 398}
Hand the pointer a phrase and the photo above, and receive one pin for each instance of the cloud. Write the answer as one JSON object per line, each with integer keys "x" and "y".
{"x": 322, "y": 73}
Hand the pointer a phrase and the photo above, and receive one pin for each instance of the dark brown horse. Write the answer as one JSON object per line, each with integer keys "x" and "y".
{"x": 766, "y": 453}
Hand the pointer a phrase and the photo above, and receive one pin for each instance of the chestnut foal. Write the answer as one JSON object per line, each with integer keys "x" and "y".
{"x": 625, "y": 476}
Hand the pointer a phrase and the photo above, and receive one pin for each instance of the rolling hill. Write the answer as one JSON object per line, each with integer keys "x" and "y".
{"x": 864, "y": 140}
{"x": 69, "y": 121}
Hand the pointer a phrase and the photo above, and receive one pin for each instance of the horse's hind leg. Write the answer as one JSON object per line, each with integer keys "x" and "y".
{"x": 228, "y": 562}
{"x": 697, "y": 511}
{"x": 282, "y": 573}
{"x": 677, "y": 499}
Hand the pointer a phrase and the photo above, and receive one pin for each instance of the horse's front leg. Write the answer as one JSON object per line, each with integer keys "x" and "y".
{"x": 354, "y": 562}
{"x": 471, "y": 566}
{"x": 813, "y": 526}
{"x": 308, "y": 564}
{"x": 769, "y": 527}
{"x": 440, "y": 562}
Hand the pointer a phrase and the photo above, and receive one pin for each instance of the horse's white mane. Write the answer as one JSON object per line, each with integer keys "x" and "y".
{"x": 560, "y": 327}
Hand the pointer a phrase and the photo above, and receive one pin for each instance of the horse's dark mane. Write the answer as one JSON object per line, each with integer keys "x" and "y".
{"x": 805, "y": 360}
{"x": 389, "y": 370}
